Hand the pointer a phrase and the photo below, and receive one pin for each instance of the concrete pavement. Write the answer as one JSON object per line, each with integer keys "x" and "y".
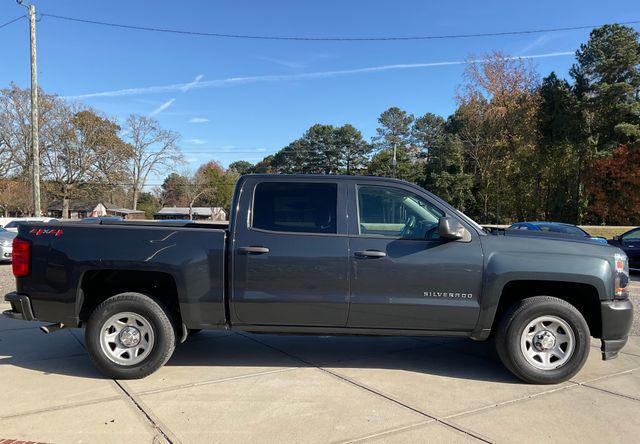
{"x": 231, "y": 387}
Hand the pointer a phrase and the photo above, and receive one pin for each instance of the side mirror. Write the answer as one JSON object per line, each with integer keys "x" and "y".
{"x": 450, "y": 228}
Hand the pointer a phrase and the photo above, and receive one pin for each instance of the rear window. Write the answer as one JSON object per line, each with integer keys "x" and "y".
{"x": 296, "y": 207}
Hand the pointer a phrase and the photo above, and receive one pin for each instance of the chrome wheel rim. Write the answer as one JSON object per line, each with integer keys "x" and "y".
{"x": 547, "y": 342}
{"x": 126, "y": 338}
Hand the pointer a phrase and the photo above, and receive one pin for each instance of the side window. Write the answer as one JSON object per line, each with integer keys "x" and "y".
{"x": 295, "y": 207}
{"x": 634, "y": 235}
{"x": 396, "y": 213}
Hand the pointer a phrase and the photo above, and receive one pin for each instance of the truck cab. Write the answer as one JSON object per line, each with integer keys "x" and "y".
{"x": 344, "y": 253}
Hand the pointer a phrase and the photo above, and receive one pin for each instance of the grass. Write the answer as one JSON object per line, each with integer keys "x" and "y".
{"x": 604, "y": 231}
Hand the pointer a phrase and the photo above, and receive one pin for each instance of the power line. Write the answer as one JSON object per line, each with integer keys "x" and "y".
{"x": 328, "y": 39}
{"x": 12, "y": 21}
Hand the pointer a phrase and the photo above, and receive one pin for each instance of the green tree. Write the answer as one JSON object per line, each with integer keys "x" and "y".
{"x": 148, "y": 203}
{"x": 445, "y": 175}
{"x": 562, "y": 153}
{"x": 324, "y": 149}
{"x": 394, "y": 135}
{"x": 428, "y": 133}
{"x": 380, "y": 165}
{"x": 241, "y": 167}
{"x": 219, "y": 185}
{"x": 607, "y": 77}
{"x": 173, "y": 192}
{"x": 353, "y": 150}
{"x": 265, "y": 166}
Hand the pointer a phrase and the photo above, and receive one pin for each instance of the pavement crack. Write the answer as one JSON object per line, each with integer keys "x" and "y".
{"x": 374, "y": 391}
{"x": 155, "y": 423}
{"x": 632, "y": 398}
{"x": 160, "y": 428}
{"x": 62, "y": 407}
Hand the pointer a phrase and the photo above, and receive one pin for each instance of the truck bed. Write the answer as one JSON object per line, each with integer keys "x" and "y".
{"x": 65, "y": 255}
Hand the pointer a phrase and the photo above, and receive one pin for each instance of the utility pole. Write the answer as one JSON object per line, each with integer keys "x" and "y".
{"x": 35, "y": 149}
{"x": 394, "y": 162}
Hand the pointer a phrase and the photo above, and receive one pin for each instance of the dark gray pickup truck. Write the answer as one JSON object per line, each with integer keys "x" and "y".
{"x": 323, "y": 255}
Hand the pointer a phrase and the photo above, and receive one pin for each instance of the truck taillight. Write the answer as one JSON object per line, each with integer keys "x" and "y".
{"x": 21, "y": 257}
{"x": 621, "y": 281}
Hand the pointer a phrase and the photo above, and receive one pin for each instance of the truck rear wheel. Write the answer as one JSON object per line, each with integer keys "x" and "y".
{"x": 129, "y": 336}
{"x": 543, "y": 340}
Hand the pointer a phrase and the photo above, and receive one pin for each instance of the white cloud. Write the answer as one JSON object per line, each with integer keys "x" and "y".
{"x": 538, "y": 42}
{"x": 197, "y": 141}
{"x": 162, "y": 107}
{"x": 198, "y": 120}
{"x": 195, "y": 81}
{"x": 303, "y": 76}
{"x": 286, "y": 63}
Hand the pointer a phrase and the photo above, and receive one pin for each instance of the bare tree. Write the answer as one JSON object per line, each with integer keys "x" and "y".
{"x": 15, "y": 195}
{"x": 154, "y": 150}
{"x": 197, "y": 187}
{"x": 15, "y": 128}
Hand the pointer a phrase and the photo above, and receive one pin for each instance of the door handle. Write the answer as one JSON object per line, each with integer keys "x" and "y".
{"x": 370, "y": 253}
{"x": 253, "y": 250}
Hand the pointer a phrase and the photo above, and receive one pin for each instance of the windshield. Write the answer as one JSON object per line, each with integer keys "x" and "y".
{"x": 565, "y": 229}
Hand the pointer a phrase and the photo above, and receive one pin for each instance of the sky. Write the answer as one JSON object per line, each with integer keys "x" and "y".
{"x": 234, "y": 99}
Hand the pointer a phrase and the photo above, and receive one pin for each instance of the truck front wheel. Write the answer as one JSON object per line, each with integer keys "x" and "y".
{"x": 543, "y": 340}
{"x": 129, "y": 336}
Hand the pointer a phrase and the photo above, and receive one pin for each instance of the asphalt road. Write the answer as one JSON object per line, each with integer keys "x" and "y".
{"x": 7, "y": 284}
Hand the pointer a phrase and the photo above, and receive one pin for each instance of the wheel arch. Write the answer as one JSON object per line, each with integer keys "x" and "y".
{"x": 583, "y": 297}
{"x": 97, "y": 285}
{"x": 583, "y": 281}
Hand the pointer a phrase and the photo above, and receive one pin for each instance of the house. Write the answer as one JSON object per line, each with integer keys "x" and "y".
{"x": 80, "y": 209}
{"x": 198, "y": 213}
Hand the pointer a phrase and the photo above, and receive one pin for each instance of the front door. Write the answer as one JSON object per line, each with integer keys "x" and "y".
{"x": 403, "y": 275}
{"x": 630, "y": 243}
{"x": 290, "y": 263}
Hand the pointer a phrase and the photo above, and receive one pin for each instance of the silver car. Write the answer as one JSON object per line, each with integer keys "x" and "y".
{"x": 6, "y": 244}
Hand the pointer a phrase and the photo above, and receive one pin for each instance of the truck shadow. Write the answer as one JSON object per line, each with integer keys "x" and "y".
{"x": 458, "y": 358}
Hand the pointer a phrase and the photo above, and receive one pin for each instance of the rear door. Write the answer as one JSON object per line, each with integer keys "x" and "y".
{"x": 289, "y": 253}
{"x": 403, "y": 275}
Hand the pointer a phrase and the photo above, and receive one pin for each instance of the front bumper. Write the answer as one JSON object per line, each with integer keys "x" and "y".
{"x": 617, "y": 317}
{"x": 20, "y": 307}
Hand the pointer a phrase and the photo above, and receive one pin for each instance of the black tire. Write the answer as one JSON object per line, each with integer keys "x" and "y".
{"x": 510, "y": 330}
{"x": 164, "y": 338}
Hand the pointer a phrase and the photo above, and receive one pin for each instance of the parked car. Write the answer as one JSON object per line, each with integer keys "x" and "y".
{"x": 6, "y": 244}
{"x": 14, "y": 224}
{"x": 323, "y": 255}
{"x": 558, "y": 227}
{"x": 629, "y": 242}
